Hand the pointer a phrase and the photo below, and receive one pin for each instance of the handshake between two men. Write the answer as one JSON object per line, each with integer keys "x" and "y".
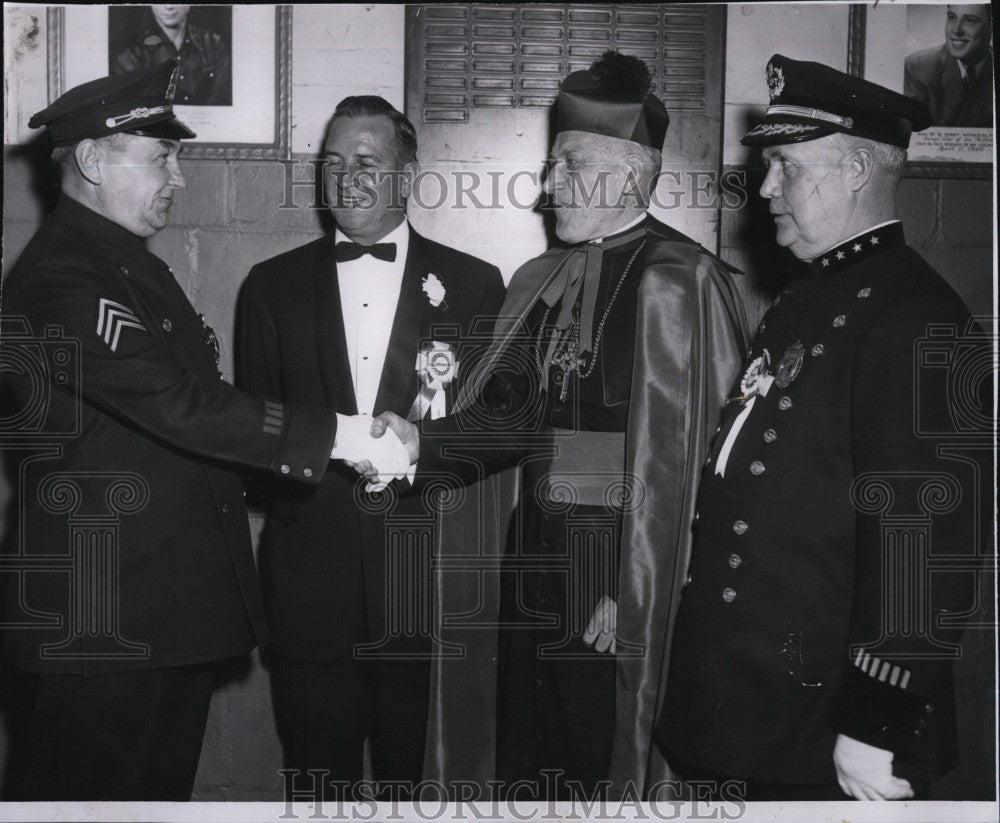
{"x": 381, "y": 449}
{"x": 386, "y": 448}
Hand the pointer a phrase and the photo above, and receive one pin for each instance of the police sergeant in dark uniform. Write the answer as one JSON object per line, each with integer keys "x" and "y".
{"x": 114, "y": 688}
{"x": 785, "y": 673}
{"x": 203, "y": 56}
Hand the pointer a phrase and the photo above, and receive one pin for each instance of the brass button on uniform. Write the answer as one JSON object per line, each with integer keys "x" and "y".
{"x": 734, "y": 561}
{"x": 785, "y": 403}
{"x": 756, "y": 468}
{"x": 839, "y": 321}
{"x": 285, "y": 469}
{"x": 166, "y": 325}
{"x": 864, "y": 293}
{"x": 770, "y": 436}
{"x": 740, "y": 527}
{"x": 729, "y": 595}
{"x": 226, "y": 508}
{"x": 817, "y": 350}
{"x": 307, "y": 472}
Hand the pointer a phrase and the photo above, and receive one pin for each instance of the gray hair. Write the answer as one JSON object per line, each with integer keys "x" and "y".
{"x": 65, "y": 156}
{"x": 888, "y": 159}
{"x": 652, "y": 163}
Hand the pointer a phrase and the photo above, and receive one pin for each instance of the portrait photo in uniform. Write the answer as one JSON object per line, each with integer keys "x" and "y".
{"x": 954, "y": 78}
{"x": 199, "y": 38}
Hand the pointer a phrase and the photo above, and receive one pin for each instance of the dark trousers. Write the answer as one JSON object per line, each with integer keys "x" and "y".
{"x": 555, "y": 695}
{"x": 325, "y": 711}
{"x": 126, "y": 736}
{"x": 707, "y": 785}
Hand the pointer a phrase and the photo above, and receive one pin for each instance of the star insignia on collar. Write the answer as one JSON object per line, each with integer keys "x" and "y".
{"x": 840, "y": 255}
{"x": 874, "y": 240}
{"x": 856, "y": 247}
{"x": 825, "y": 262}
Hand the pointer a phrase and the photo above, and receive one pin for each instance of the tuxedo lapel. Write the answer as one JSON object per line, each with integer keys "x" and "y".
{"x": 331, "y": 344}
{"x": 397, "y": 386}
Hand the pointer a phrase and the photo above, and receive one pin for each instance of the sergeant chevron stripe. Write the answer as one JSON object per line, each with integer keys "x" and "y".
{"x": 112, "y": 317}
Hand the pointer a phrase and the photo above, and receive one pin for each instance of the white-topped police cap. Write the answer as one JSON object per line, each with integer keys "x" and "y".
{"x": 811, "y": 100}
{"x": 138, "y": 102}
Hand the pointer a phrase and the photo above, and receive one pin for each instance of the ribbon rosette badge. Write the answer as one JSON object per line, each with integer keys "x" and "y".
{"x": 756, "y": 379}
{"x": 434, "y": 289}
{"x": 437, "y": 368}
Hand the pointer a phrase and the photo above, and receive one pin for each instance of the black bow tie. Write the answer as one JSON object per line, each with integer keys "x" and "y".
{"x": 347, "y": 251}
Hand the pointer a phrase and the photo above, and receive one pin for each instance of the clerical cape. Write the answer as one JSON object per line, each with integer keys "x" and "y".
{"x": 690, "y": 338}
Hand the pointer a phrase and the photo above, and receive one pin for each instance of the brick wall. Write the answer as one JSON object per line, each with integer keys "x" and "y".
{"x": 229, "y": 218}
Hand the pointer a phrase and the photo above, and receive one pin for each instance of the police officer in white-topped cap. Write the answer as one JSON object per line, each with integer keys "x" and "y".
{"x": 133, "y": 524}
{"x": 808, "y": 660}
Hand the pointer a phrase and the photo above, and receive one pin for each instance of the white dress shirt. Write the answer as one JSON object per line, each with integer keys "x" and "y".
{"x": 369, "y": 294}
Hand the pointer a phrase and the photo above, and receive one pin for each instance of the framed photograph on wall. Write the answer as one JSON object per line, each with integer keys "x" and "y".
{"x": 234, "y": 87}
{"x": 942, "y": 55}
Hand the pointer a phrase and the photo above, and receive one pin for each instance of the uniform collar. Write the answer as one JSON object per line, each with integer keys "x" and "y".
{"x": 74, "y": 214}
{"x": 861, "y": 247}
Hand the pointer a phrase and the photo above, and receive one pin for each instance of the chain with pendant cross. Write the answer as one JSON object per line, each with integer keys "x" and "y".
{"x": 567, "y": 358}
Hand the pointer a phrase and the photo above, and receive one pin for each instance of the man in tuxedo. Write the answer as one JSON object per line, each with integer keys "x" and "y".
{"x": 955, "y": 79}
{"x": 365, "y": 319}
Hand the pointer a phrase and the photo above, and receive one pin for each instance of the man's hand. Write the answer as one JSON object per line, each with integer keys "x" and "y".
{"x": 600, "y": 631}
{"x": 403, "y": 429}
{"x": 381, "y": 460}
{"x": 865, "y": 772}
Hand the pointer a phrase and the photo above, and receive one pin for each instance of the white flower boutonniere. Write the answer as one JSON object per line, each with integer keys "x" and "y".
{"x": 434, "y": 289}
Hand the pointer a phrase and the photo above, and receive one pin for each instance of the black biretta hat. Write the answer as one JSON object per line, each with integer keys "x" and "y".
{"x": 139, "y": 102}
{"x": 612, "y": 98}
{"x": 810, "y": 100}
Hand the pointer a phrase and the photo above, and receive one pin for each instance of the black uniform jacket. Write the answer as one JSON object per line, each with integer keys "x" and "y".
{"x": 204, "y": 59}
{"x": 131, "y": 515}
{"x": 323, "y": 550}
{"x": 811, "y": 608}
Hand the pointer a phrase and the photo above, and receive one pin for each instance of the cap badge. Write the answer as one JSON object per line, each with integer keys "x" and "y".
{"x": 141, "y": 113}
{"x": 775, "y": 80}
{"x": 172, "y": 86}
